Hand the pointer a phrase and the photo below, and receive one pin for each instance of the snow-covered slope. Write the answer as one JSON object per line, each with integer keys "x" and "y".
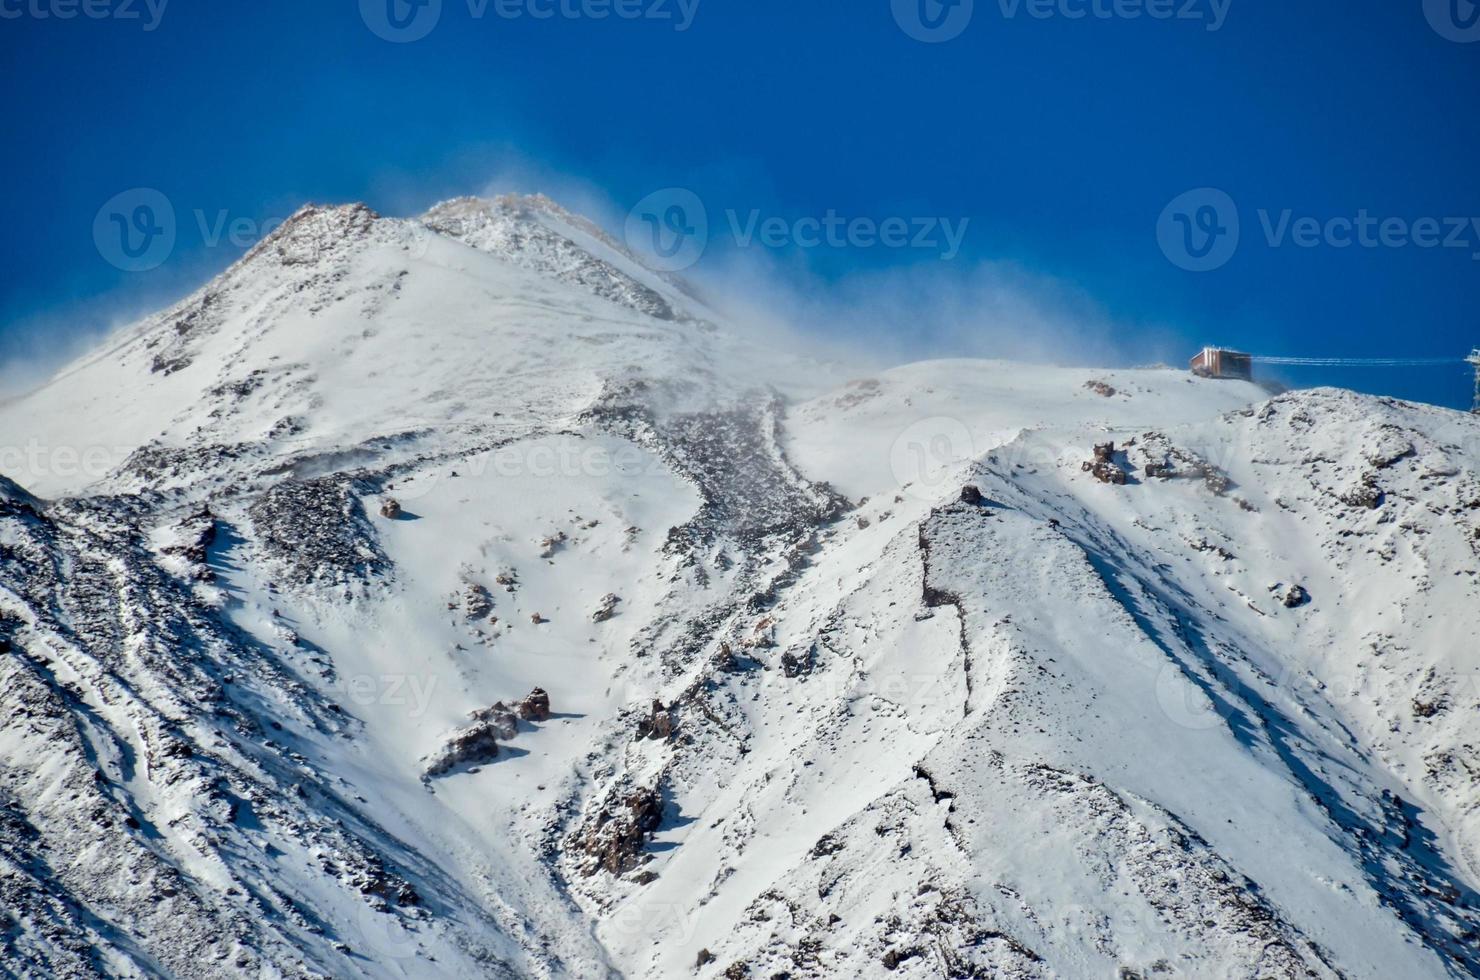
{"x": 656, "y": 668}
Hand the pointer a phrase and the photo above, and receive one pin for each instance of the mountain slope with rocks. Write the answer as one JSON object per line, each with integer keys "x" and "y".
{"x": 455, "y": 596}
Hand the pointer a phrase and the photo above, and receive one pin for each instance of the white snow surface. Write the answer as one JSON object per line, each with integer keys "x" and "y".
{"x": 1216, "y": 721}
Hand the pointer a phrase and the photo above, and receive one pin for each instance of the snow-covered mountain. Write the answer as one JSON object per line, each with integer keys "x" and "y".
{"x": 458, "y": 597}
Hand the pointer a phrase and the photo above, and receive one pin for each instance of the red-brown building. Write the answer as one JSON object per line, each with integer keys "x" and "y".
{"x": 1215, "y": 362}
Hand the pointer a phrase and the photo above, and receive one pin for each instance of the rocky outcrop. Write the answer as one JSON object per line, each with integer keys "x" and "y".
{"x": 615, "y": 838}
{"x": 658, "y": 724}
{"x": 1103, "y": 466}
{"x": 535, "y": 706}
{"x": 606, "y": 608}
{"x": 471, "y": 746}
{"x": 316, "y": 531}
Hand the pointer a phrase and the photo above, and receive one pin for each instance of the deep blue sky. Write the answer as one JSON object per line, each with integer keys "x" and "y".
{"x": 1061, "y": 140}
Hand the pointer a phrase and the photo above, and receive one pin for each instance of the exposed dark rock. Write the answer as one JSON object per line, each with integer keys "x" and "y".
{"x": 470, "y": 746}
{"x": 797, "y": 664}
{"x": 607, "y": 608}
{"x": 616, "y": 836}
{"x": 658, "y": 724}
{"x": 971, "y": 494}
{"x": 501, "y": 719}
{"x": 1366, "y": 495}
{"x": 316, "y": 530}
{"x": 390, "y": 508}
{"x": 1103, "y": 467}
{"x": 895, "y": 957}
{"x": 476, "y": 601}
{"x": 535, "y": 706}
{"x": 1295, "y": 596}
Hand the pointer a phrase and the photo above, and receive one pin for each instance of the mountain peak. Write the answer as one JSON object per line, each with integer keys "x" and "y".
{"x": 536, "y": 233}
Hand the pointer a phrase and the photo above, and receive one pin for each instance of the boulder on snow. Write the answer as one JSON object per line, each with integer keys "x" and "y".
{"x": 535, "y": 706}
{"x": 476, "y": 601}
{"x": 500, "y": 718}
{"x": 1295, "y": 596}
{"x": 658, "y": 724}
{"x": 971, "y": 494}
{"x": 1103, "y": 466}
{"x": 607, "y": 608}
{"x": 471, "y": 746}
{"x": 390, "y": 508}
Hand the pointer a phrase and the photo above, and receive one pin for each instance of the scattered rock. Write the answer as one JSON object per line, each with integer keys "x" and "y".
{"x": 552, "y": 544}
{"x": 535, "y": 706}
{"x": 1366, "y": 495}
{"x": 617, "y": 834}
{"x": 390, "y": 508}
{"x": 1100, "y": 388}
{"x": 476, "y": 601}
{"x": 724, "y": 659}
{"x": 1295, "y": 596}
{"x": 1103, "y": 467}
{"x": 473, "y": 745}
{"x": 500, "y": 718}
{"x": 658, "y": 724}
{"x": 537, "y": 619}
{"x": 796, "y": 665}
{"x": 1428, "y": 709}
{"x": 895, "y": 957}
{"x": 607, "y": 608}
{"x": 763, "y": 635}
